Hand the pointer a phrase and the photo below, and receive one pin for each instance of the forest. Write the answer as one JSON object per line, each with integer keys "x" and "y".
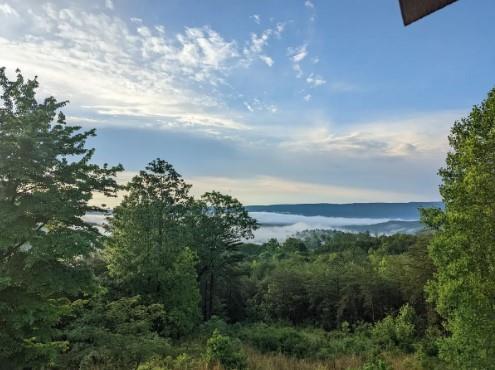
{"x": 174, "y": 283}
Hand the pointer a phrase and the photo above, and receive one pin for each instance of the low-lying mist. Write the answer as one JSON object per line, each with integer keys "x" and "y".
{"x": 281, "y": 226}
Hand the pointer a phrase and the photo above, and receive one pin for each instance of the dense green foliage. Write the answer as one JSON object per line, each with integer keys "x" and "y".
{"x": 148, "y": 252}
{"x": 349, "y": 278}
{"x": 225, "y": 351}
{"x": 46, "y": 181}
{"x": 220, "y": 223}
{"x": 463, "y": 248}
{"x": 174, "y": 283}
{"x": 118, "y": 334}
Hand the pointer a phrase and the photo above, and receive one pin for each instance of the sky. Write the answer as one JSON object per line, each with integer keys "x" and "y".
{"x": 293, "y": 101}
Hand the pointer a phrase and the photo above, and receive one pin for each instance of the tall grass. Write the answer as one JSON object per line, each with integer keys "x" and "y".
{"x": 278, "y": 361}
{"x": 267, "y": 361}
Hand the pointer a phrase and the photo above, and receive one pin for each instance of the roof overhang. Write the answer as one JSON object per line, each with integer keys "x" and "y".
{"x": 412, "y": 10}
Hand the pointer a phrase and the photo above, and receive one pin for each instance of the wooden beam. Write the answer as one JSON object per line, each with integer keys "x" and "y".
{"x": 412, "y": 10}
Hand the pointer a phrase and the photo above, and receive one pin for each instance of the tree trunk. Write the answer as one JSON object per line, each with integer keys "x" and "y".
{"x": 210, "y": 296}
{"x": 204, "y": 296}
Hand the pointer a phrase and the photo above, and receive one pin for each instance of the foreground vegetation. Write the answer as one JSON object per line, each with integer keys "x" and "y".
{"x": 173, "y": 284}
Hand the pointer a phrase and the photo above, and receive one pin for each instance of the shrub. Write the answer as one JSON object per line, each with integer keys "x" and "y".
{"x": 345, "y": 341}
{"x": 306, "y": 342}
{"x": 181, "y": 362}
{"x": 396, "y": 332}
{"x": 287, "y": 340}
{"x": 376, "y": 364}
{"x": 427, "y": 349}
{"x": 215, "y": 323}
{"x": 222, "y": 349}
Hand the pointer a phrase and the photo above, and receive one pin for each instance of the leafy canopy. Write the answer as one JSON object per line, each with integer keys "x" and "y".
{"x": 220, "y": 224}
{"x": 463, "y": 249}
{"x": 148, "y": 252}
{"x": 46, "y": 182}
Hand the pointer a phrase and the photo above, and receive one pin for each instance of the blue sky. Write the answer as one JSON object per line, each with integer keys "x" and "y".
{"x": 270, "y": 101}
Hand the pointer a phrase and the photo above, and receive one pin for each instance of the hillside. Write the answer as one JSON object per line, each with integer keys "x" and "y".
{"x": 402, "y": 211}
{"x": 388, "y": 228}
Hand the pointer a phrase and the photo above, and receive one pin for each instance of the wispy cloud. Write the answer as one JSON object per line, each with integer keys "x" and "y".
{"x": 232, "y": 97}
{"x": 258, "y": 42}
{"x": 201, "y": 51}
{"x": 297, "y": 55}
{"x": 109, "y": 4}
{"x": 254, "y": 49}
{"x": 256, "y": 105}
{"x": 404, "y": 137}
{"x": 279, "y": 29}
{"x": 256, "y": 18}
{"x": 315, "y": 80}
{"x": 268, "y": 189}
{"x": 309, "y": 4}
{"x": 6, "y": 9}
{"x": 267, "y": 60}
{"x": 272, "y": 190}
{"x": 112, "y": 69}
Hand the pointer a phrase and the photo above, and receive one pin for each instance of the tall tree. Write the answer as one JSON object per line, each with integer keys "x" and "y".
{"x": 148, "y": 250}
{"x": 463, "y": 248}
{"x": 46, "y": 182}
{"x": 221, "y": 224}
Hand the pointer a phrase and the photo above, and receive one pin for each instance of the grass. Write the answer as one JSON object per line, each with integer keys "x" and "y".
{"x": 189, "y": 355}
{"x": 267, "y": 361}
{"x": 277, "y": 361}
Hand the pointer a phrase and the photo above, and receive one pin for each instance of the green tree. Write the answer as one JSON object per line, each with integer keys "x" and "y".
{"x": 286, "y": 294}
{"x": 409, "y": 272}
{"x": 148, "y": 252}
{"x": 46, "y": 182}
{"x": 221, "y": 223}
{"x": 463, "y": 249}
{"x": 294, "y": 245}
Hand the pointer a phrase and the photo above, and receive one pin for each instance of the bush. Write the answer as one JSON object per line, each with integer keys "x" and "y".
{"x": 427, "y": 349}
{"x": 116, "y": 334}
{"x": 215, "y": 323}
{"x": 222, "y": 349}
{"x": 305, "y": 342}
{"x": 181, "y": 362}
{"x": 396, "y": 332}
{"x": 287, "y": 340}
{"x": 355, "y": 342}
{"x": 376, "y": 364}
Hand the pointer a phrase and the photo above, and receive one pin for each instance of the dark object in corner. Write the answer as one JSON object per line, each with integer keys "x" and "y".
{"x": 412, "y": 10}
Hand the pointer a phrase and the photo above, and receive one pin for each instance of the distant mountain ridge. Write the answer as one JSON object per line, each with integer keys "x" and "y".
{"x": 402, "y": 211}
{"x": 388, "y": 228}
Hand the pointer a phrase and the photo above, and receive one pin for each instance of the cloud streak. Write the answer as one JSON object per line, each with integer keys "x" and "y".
{"x": 273, "y": 190}
{"x": 416, "y": 135}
